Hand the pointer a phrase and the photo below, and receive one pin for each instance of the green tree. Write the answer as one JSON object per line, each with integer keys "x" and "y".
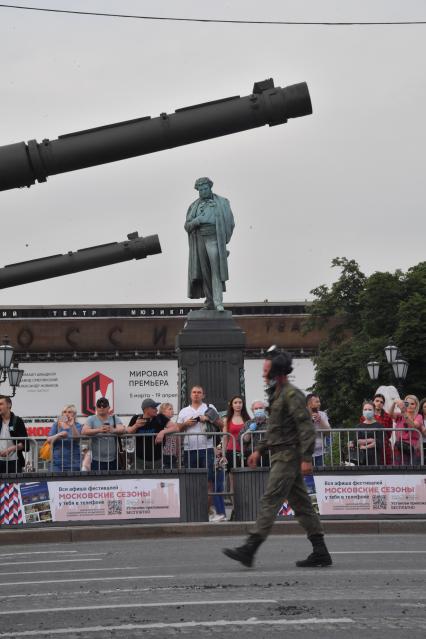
{"x": 340, "y": 302}
{"x": 363, "y": 314}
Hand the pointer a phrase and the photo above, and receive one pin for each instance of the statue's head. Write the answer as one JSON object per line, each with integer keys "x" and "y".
{"x": 204, "y": 187}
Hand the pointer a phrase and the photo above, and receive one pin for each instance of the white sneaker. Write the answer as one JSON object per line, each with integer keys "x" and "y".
{"x": 217, "y": 518}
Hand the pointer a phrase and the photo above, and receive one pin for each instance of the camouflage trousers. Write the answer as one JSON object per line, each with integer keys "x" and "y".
{"x": 286, "y": 482}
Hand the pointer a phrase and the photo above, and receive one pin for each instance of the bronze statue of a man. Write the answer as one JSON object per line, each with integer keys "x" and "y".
{"x": 209, "y": 224}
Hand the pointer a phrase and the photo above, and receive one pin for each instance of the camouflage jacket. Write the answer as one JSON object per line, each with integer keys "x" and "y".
{"x": 289, "y": 423}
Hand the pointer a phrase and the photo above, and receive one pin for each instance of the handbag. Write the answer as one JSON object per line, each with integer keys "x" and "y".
{"x": 210, "y": 427}
{"x": 45, "y": 452}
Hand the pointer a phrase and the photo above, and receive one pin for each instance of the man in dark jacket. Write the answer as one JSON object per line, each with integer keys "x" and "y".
{"x": 12, "y": 438}
{"x": 147, "y": 426}
{"x": 290, "y": 438}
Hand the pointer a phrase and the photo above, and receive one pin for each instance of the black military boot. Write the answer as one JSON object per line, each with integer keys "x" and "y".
{"x": 320, "y": 557}
{"x": 245, "y": 554}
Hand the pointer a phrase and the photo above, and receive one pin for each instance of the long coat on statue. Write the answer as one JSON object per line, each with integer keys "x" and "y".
{"x": 224, "y": 228}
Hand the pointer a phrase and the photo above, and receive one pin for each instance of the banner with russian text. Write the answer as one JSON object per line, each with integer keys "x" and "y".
{"x": 47, "y": 387}
{"x": 91, "y": 500}
{"x": 384, "y": 494}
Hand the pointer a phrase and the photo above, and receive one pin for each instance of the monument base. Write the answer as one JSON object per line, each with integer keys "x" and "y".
{"x": 210, "y": 351}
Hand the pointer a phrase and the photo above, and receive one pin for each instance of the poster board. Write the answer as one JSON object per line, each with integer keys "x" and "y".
{"x": 89, "y": 500}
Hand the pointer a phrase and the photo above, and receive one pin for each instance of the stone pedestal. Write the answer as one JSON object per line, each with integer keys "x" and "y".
{"x": 210, "y": 352}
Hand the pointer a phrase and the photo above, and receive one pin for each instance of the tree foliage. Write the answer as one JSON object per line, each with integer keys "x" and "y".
{"x": 363, "y": 315}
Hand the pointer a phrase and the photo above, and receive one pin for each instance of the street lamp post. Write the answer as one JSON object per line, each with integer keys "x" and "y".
{"x": 373, "y": 369}
{"x": 13, "y": 375}
{"x": 399, "y": 366}
{"x": 391, "y": 352}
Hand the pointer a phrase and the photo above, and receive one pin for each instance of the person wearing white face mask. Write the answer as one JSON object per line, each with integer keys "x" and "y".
{"x": 381, "y": 416}
{"x": 370, "y": 442}
{"x": 249, "y": 433}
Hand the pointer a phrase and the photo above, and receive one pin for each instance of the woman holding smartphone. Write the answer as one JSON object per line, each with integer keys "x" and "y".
{"x": 408, "y": 423}
{"x": 64, "y": 437}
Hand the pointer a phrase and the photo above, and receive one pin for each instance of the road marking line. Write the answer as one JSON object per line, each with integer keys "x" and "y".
{"x": 183, "y": 624}
{"x": 197, "y": 576}
{"x": 114, "y": 591}
{"x": 38, "y": 572}
{"x": 291, "y": 596}
{"x": 53, "y": 552}
{"x": 155, "y": 604}
{"x": 47, "y": 561}
{"x": 81, "y": 580}
{"x": 376, "y": 552}
{"x": 44, "y": 594}
{"x": 44, "y": 552}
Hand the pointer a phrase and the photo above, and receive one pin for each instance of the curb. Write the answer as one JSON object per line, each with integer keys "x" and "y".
{"x": 71, "y": 534}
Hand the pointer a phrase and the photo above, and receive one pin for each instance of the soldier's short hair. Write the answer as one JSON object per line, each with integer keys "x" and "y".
{"x": 201, "y": 181}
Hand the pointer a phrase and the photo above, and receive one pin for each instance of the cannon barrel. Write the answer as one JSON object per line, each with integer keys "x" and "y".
{"x": 22, "y": 164}
{"x": 135, "y": 248}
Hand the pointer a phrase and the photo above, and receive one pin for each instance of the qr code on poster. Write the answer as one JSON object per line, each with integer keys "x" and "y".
{"x": 379, "y": 502}
{"x": 115, "y": 507}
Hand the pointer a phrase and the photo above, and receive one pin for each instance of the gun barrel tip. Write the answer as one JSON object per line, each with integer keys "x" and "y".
{"x": 152, "y": 244}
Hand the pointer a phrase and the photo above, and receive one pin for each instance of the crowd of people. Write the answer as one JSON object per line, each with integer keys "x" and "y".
{"x": 393, "y": 438}
{"x": 290, "y": 435}
{"x": 195, "y": 439}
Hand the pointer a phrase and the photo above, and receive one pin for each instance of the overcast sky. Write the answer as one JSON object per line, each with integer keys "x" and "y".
{"x": 347, "y": 181}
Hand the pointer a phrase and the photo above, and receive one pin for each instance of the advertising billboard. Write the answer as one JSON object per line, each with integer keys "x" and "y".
{"x": 47, "y": 387}
{"x": 89, "y": 500}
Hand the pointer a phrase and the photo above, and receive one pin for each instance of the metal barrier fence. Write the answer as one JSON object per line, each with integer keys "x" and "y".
{"x": 139, "y": 452}
{"x": 216, "y": 452}
{"x": 353, "y": 447}
{"x": 136, "y": 453}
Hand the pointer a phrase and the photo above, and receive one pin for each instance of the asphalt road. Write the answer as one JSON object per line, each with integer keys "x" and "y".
{"x": 186, "y": 587}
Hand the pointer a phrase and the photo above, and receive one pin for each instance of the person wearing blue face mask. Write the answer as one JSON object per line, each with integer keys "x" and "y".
{"x": 370, "y": 442}
{"x": 250, "y": 433}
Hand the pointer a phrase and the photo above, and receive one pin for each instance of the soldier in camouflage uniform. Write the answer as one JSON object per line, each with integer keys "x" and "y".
{"x": 290, "y": 437}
